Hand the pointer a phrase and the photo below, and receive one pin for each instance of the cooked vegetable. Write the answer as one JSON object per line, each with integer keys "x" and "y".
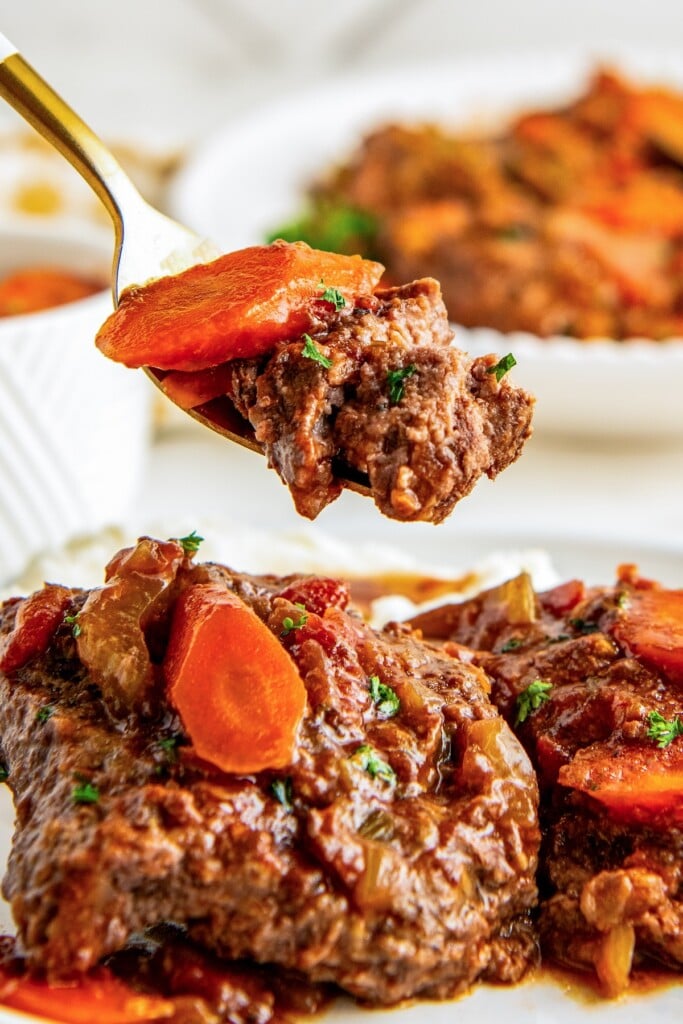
{"x": 384, "y": 698}
{"x": 238, "y": 693}
{"x": 99, "y": 998}
{"x": 239, "y": 305}
{"x": 37, "y": 620}
{"x": 529, "y": 700}
{"x": 503, "y": 366}
{"x": 662, "y": 731}
{"x": 85, "y": 793}
{"x": 333, "y": 296}
{"x": 370, "y": 761}
{"x": 651, "y": 627}
{"x": 635, "y": 782}
{"x": 289, "y": 624}
{"x": 311, "y": 351}
{"x": 111, "y": 642}
{"x": 396, "y": 379}
{"x": 188, "y": 389}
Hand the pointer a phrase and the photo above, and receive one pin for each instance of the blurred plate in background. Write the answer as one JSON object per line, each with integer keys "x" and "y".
{"x": 253, "y": 175}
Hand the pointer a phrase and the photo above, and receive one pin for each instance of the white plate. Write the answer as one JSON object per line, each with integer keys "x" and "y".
{"x": 540, "y": 1000}
{"x": 252, "y": 176}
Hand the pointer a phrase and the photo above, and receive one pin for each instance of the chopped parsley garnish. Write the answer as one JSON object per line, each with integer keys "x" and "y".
{"x": 584, "y": 626}
{"x": 333, "y": 296}
{"x": 169, "y": 745}
{"x": 396, "y": 380}
{"x": 559, "y": 639}
{"x": 44, "y": 713}
{"x": 72, "y": 621}
{"x": 512, "y": 644}
{"x": 370, "y": 761}
{"x": 282, "y": 791}
{"x": 503, "y": 366}
{"x": 85, "y": 793}
{"x": 190, "y": 544}
{"x": 289, "y": 624}
{"x": 662, "y": 731}
{"x": 383, "y": 697}
{"x": 311, "y": 351}
{"x": 529, "y": 700}
{"x": 623, "y": 599}
{"x": 4, "y": 773}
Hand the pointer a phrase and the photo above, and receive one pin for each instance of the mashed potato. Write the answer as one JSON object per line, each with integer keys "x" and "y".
{"x": 80, "y": 563}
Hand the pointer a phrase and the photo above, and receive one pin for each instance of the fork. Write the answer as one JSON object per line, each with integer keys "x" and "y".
{"x": 148, "y": 244}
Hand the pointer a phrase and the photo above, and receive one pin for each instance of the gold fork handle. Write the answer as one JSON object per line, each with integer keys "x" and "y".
{"x": 31, "y": 96}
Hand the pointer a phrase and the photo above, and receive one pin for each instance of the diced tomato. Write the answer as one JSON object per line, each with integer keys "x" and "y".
{"x": 37, "y": 620}
{"x": 563, "y": 598}
{"x": 318, "y": 593}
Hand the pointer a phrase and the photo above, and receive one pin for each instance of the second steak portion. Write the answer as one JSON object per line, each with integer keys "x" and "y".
{"x": 590, "y": 678}
{"x": 395, "y": 855}
{"x": 382, "y": 390}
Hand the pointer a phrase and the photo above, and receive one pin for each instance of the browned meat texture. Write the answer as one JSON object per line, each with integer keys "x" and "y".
{"x": 611, "y": 871}
{"x": 392, "y": 399}
{"x": 416, "y": 876}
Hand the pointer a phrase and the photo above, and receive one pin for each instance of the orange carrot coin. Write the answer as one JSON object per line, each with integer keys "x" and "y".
{"x": 238, "y": 693}
{"x": 239, "y": 305}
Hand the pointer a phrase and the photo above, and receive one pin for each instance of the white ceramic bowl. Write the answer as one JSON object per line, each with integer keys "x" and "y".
{"x": 74, "y": 427}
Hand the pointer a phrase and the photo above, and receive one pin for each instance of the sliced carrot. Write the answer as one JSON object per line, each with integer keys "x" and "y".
{"x": 636, "y": 783}
{"x": 188, "y": 389}
{"x": 37, "y": 619}
{"x": 239, "y": 305}
{"x": 651, "y": 627}
{"x": 239, "y": 694}
{"x": 101, "y": 998}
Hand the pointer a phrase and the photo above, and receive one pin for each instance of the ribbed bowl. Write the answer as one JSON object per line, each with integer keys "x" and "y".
{"x": 74, "y": 427}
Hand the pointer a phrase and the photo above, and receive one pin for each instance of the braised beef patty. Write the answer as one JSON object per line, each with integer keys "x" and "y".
{"x": 381, "y": 389}
{"x": 395, "y": 855}
{"x": 589, "y": 709}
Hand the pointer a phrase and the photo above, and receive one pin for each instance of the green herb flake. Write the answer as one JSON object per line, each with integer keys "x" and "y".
{"x": 370, "y": 761}
{"x": 333, "y": 296}
{"x": 529, "y": 700}
{"x": 662, "y": 731}
{"x": 283, "y": 793}
{"x": 503, "y": 366}
{"x": 44, "y": 713}
{"x": 311, "y": 351}
{"x": 4, "y": 773}
{"x": 169, "y": 745}
{"x": 76, "y": 628}
{"x": 85, "y": 793}
{"x": 289, "y": 624}
{"x": 584, "y": 627}
{"x": 623, "y": 600}
{"x": 396, "y": 380}
{"x": 190, "y": 544}
{"x": 383, "y": 697}
{"x": 511, "y": 645}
